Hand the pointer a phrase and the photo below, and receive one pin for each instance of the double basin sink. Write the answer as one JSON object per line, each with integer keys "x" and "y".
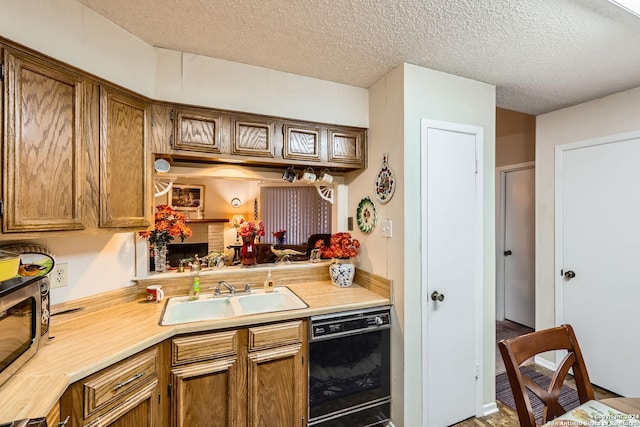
{"x": 209, "y": 307}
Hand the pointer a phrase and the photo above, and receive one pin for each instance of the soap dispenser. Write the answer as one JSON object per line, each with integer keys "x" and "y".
{"x": 268, "y": 284}
{"x": 194, "y": 291}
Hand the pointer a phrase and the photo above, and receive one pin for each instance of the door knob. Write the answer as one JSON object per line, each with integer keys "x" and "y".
{"x": 570, "y": 274}
{"x": 437, "y": 296}
{"x": 507, "y": 253}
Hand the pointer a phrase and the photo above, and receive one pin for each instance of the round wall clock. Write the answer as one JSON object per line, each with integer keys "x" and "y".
{"x": 366, "y": 215}
{"x": 235, "y": 202}
{"x": 385, "y": 181}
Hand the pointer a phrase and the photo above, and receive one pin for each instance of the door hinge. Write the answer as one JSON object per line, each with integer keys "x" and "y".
{"x": 169, "y": 390}
{"x": 477, "y": 369}
{"x": 2, "y": 71}
{"x": 561, "y": 272}
{"x": 477, "y": 166}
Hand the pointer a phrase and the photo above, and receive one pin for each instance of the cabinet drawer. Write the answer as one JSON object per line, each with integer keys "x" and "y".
{"x": 203, "y": 347}
{"x": 116, "y": 381}
{"x": 268, "y": 336}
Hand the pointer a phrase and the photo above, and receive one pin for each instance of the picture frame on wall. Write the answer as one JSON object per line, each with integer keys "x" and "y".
{"x": 187, "y": 197}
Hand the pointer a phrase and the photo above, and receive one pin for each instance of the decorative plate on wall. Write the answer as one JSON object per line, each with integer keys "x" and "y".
{"x": 385, "y": 181}
{"x": 366, "y": 215}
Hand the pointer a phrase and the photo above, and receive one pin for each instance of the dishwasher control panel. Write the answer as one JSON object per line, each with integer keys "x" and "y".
{"x": 348, "y": 323}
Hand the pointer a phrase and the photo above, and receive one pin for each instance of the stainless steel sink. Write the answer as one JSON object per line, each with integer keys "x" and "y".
{"x": 208, "y": 307}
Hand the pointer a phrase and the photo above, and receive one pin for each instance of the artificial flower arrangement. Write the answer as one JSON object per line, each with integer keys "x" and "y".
{"x": 342, "y": 246}
{"x": 251, "y": 228}
{"x": 169, "y": 224}
{"x": 280, "y": 234}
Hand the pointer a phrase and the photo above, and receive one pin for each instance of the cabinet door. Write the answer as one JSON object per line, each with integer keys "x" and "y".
{"x": 196, "y": 130}
{"x": 43, "y": 150}
{"x": 347, "y": 146}
{"x": 301, "y": 142}
{"x": 204, "y": 394}
{"x": 138, "y": 410}
{"x": 276, "y": 390}
{"x": 252, "y": 136}
{"x": 124, "y": 185}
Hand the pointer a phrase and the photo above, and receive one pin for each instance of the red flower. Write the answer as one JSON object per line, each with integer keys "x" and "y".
{"x": 342, "y": 245}
{"x": 250, "y": 228}
{"x": 279, "y": 234}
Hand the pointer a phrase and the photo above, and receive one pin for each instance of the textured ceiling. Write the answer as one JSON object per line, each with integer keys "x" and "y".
{"x": 542, "y": 55}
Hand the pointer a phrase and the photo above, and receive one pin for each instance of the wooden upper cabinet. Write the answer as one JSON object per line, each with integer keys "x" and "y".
{"x": 301, "y": 142}
{"x": 43, "y": 150}
{"x": 196, "y": 130}
{"x": 124, "y": 181}
{"x": 252, "y": 136}
{"x": 346, "y": 146}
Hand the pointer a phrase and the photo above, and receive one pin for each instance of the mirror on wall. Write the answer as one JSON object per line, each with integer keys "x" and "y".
{"x": 230, "y": 193}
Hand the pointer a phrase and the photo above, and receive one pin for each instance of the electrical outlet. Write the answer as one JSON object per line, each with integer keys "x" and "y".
{"x": 59, "y": 276}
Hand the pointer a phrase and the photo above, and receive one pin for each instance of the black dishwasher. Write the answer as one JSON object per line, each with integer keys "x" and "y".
{"x": 349, "y": 369}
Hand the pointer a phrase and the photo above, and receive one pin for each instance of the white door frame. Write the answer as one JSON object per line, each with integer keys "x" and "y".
{"x": 559, "y": 151}
{"x": 501, "y": 202}
{"x": 478, "y": 285}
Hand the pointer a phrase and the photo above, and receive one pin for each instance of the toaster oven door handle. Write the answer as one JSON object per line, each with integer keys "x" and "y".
{"x": 130, "y": 380}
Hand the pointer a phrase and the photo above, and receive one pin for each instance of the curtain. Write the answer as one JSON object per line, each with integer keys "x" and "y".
{"x": 299, "y": 210}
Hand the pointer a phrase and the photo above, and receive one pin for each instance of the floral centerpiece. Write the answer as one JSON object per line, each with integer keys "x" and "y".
{"x": 341, "y": 247}
{"x": 280, "y": 235}
{"x": 251, "y": 228}
{"x": 169, "y": 224}
{"x": 248, "y": 230}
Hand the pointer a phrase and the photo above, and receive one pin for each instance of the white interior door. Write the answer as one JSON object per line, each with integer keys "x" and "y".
{"x": 451, "y": 271}
{"x": 519, "y": 247}
{"x": 598, "y": 240}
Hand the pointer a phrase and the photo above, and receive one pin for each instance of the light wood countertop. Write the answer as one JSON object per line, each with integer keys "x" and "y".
{"x": 83, "y": 343}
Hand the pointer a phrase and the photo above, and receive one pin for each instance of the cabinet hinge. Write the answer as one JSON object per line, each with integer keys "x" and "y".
{"x": 158, "y": 398}
{"x": 1, "y": 208}
{"x": 172, "y": 115}
{"x": 302, "y": 360}
{"x": 169, "y": 390}
{"x": 2, "y": 71}
{"x": 171, "y": 140}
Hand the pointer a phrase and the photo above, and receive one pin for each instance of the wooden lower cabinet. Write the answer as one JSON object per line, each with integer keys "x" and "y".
{"x": 203, "y": 394}
{"x": 126, "y": 394}
{"x": 276, "y": 390}
{"x": 140, "y": 409}
{"x": 255, "y": 377}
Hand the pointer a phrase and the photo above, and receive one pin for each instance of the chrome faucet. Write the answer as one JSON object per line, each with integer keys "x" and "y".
{"x": 232, "y": 289}
{"x": 216, "y": 291}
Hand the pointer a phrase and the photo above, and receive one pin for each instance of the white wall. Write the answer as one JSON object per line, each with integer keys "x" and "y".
{"x": 70, "y": 32}
{"x": 211, "y": 82}
{"x": 611, "y": 115}
{"x": 397, "y": 104}
{"x": 381, "y": 255}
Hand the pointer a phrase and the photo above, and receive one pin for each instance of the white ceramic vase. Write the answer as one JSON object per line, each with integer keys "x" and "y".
{"x": 342, "y": 273}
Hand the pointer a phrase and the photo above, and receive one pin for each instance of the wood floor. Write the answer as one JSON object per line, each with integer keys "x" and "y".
{"x": 507, "y": 417}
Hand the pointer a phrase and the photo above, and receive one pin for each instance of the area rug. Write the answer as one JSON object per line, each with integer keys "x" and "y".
{"x": 568, "y": 397}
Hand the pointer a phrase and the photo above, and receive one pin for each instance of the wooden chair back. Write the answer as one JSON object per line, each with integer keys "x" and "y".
{"x": 516, "y": 351}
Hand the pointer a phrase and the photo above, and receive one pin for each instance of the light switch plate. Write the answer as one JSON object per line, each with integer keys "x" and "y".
{"x": 386, "y": 228}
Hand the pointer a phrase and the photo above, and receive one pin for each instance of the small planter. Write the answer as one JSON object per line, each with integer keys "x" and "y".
{"x": 342, "y": 272}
